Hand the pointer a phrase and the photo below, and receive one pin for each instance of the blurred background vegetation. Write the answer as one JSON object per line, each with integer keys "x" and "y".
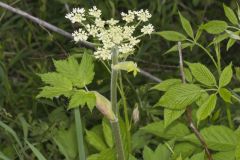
{"x": 27, "y": 49}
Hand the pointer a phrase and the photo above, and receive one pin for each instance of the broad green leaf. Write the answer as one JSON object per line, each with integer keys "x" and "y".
{"x": 107, "y": 132}
{"x": 198, "y": 156}
{"x": 229, "y": 13}
{"x": 180, "y": 96}
{"x": 80, "y": 74}
{"x": 80, "y": 98}
{"x": 175, "y": 47}
{"x": 229, "y": 155}
{"x": 172, "y": 35}
{"x": 94, "y": 140}
{"x": 202, "y": 74}
{"x": 202, "y": 99}
{"x": 186, "y": 25}
{"x": 86, "y": 70}
{"x": 215, "y": 26}
{"x": 162, "y": 151}
{"x": 148, "y": 154}
{"x": 206, "y": 109}
{"x": 218, "y": 138}
{"x": 199, "y": 33}
{"x": 66, "y": 141}
{"x": 165, "y": 85}
{"x": 59, "y": 85}
{"x": 185, "y": 149}
{"x": 128, "y": 66}
{"x": 225, "y": 94}
{"x": 226, "y": 76}
{"x": 107, "y": 154}
{"x": 171, "y": 115}
{"x": 175, "y": 130}
{"x": 36, "y": 152}
{"x": 50, "y": 92}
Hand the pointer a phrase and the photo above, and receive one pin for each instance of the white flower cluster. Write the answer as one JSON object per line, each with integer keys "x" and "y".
{"x": 110, "y": 33}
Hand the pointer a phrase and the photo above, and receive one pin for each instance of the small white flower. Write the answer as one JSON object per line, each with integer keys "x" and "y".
{"x": 133, "y": 41}
{"x": 102, "y": 53}
{"x": 126, "y": 48}
{"x": 143, "y": 15}
{"x": 77, "y": 15}
{"x": 95, "y": 12}
{"x": 99, "y": 23}
{"x": 92, "y": 30}
{"x": 112, "y": 22}
{"x": 128, "y": 31}
{"x": 128, "y": 17}
{"x": 148, "y": 29}
{"x": 80, "y": 35}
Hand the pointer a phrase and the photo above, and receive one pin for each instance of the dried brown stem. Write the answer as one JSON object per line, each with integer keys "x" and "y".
{"x": 189, "y": 110}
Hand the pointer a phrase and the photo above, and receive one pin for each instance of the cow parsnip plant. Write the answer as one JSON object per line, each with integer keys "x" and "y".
{"x": 200, "y": 89}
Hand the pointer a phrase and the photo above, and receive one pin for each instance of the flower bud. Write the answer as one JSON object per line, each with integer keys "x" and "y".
{"x": 135, "y": 114}
{"x": 104, "y": 106}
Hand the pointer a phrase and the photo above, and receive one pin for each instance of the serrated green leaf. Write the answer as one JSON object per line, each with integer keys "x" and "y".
{"x": 225, "y": 94}
{"x": 163, "y": 151}
{"x": 66, "y": 142}
{"x": 86, "y": 70}
{"x": 198, "y": 156}
{"x": 175, "y": 47}
{"x": 80, "y": 98}
{"x": 50, "y": 92}
{"x": 229, "y": 155}
{"x": 202, "y": 74}
{"x": 180, "y": 96}
{"x": 172, "y": 35}
{"x": 215, "y": 26}
{"x": 165, "y": 85}
{"x": 175, "y": 130}
{"x": 80, "y": 74}
{"x": 226, "y": 76}
{"x": 186, "y": 25}
{"x": 171, "y": 115}
{"x": 185, "y": 149}
{"x": 204, "y": 96}
{"x": 128, "y": 66}
{"x": 218, "y": 138}
{"x": 94, "y": 140}
{"x": 206, "y": 109}
{"x": 229, "y": 13}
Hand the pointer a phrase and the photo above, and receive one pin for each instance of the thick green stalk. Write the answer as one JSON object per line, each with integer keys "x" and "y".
{"x": 115, "y": 125}
{"x": 79, "y": 133}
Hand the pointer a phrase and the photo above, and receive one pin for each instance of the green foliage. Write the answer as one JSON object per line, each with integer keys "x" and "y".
{"x": 186, "y": 25}
{"x": 180, "y": 96}
{"x": 172, "y": 35}
{"x": 230, "y": 14}
{"x": 202, "y": 74}
{"x": 207, "y": 107}
{"x": 80, "y": 98}
{"x": 226, "y": 76}
{"x": 128, "y": 66}
{"x": 215, "y": 26}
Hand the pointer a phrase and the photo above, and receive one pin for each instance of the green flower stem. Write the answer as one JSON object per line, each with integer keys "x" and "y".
{"x": 125, "y": 109}
{"x": 115, "y": 124}
{"x": 79, "y": 133}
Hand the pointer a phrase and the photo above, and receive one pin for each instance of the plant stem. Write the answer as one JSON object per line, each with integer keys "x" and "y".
{"x": 115, "y": 124}
{"x": 125, "y": 108}
{"x": 189, "y": 110}
{"x": 229, "y": 117}
{"x": 79, "y": 133}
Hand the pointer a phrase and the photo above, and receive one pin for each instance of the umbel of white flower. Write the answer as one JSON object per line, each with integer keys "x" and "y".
{"x": 110, "y": 33}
